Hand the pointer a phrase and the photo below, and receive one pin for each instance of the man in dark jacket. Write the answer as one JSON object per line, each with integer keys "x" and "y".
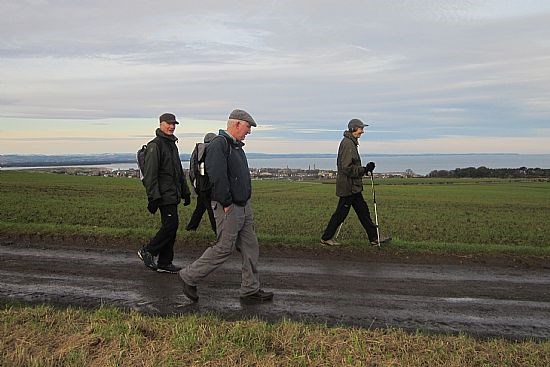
{"x": 201, "y": 183}
{"x": 165, "y": 183}
{"x": 349, "y": 186}
{"x": 227, "y": 169}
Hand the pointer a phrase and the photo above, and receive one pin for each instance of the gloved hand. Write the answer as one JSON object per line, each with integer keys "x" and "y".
{"x": 370, "y": 167}
{"x": 153, "y": 206}
{"x": 186, "y": 199}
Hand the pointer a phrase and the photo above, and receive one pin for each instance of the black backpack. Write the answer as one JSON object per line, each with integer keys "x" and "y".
{"x": 140, "y": 157}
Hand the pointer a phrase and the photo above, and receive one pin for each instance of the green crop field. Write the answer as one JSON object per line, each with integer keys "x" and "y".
{"x": 441, "y": 215}
{"x": 438, "y": 215}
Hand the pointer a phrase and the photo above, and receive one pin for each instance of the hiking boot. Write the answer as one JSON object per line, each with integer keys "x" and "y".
{"x": 190, "y": 291}
{"x": 170, "y": 268}
{"x": 259, "y": 296}
{"x": 383, "y": 240}
{"x": 330, "y": 242}
{"x": 147, "y": 259}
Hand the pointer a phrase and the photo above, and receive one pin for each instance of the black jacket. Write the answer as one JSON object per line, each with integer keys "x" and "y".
{"x": 227, "y": 169}
{"x": 163, "y": 177}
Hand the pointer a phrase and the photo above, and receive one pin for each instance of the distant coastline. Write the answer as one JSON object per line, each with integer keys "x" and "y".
{"x": 421, "y": 164}
{"x": 43, "y": 160}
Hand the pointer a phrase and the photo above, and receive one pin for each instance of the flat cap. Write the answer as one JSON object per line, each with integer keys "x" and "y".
{"x": 243, "y": 116}
{"x": 355, "y": 123}
{"x": 169, "y": 118}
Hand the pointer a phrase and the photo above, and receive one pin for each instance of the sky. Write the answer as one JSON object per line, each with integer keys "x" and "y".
{"x": 428, "y": 76}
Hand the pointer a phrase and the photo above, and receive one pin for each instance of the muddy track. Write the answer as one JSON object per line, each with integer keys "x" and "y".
{"x": 444, "y": 295}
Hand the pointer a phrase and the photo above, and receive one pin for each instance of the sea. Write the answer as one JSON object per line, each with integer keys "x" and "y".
{"x": 421, "y": 164}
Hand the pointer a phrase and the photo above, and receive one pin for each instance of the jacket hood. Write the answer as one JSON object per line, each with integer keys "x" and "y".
{"x": 350, "y": 136}
{"x": 160, "y": 134}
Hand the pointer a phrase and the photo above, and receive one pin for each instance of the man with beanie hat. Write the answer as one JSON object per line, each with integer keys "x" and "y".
{"x": 227, "y": 169}
{"x": 349, "y": 186}
{"x": 165, "y": 183}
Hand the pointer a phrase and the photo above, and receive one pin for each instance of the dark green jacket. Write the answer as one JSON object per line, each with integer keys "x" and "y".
{"x": 349, "y": 179}
{"x": 163, "y": 177}
{"x": 227, "y": 169}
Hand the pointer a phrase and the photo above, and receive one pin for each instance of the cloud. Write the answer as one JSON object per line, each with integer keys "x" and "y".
{"x": 416, "y": 69}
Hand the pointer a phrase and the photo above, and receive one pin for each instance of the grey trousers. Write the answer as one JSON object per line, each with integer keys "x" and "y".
{"x": 235, "y": 230}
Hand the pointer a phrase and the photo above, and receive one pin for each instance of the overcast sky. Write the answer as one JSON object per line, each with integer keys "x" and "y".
{"x": 432, "y": 76}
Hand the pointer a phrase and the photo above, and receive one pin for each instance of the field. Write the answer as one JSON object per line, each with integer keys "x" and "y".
{"x": 438, "y": 215}
{"x": 463, "y": 216}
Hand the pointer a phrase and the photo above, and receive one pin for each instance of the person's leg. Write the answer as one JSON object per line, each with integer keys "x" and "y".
{"x": 362, "y": 210}
{"x": 164, "y": 234}
{"x": 342, "y": 210}
{"x": 247, "y": 244}
{"x": 229, "y": 225}
{"x": 170, "y": 222}
{"x": 210, "y": 211}
{"x": 196, "y": 217}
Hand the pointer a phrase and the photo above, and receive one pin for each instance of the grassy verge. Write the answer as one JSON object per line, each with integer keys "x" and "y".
{"x": 45, "y": 336}
{"x": 438, "y": 215}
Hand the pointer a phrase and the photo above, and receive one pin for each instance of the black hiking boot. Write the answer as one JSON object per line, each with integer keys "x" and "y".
{"x": 170, "y": 268}
{"x": 190, "y": 291}
{"x": 147, "y": 259}
{"x": 258, "y": 297}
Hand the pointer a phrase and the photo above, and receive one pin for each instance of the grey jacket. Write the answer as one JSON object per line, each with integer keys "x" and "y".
{"x": 227, "y": 168}
{"x": 349, "y": 179}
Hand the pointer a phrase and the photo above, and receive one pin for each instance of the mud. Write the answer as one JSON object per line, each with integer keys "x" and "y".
{"x": 483, "y": 296}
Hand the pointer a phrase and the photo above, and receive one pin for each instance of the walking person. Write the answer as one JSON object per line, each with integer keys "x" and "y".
{"x": 201, "y": 183}
{"x": 349, "y": 186}
{"x": 165, "y": 184}
{"x": 227, "y": 168}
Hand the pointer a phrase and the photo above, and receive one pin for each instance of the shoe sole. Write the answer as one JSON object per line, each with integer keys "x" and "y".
{"x": 384, "y": 242}
{"x": 256, "y": 300}
{"x": 159, "y": 270}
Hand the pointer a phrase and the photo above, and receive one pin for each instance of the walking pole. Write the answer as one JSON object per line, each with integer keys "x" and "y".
{"x": 375, "y": 211}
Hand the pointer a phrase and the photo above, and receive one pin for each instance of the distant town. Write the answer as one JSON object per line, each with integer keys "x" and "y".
{"x": 256, "y": 173}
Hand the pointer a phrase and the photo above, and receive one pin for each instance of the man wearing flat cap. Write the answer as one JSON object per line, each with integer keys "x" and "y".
{"x": 349, "y": 186}
{"x": 227, "y": 169}
{"x": 166, "y": 185}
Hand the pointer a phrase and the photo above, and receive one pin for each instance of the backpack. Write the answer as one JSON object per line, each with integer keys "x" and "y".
{"x": 197, "y": 169}
{"x": 140, "y": 157}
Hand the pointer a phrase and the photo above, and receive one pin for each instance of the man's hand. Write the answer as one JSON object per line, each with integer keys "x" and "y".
{"x": 153, "y": 206}
{"x": 186, "y": 199}
{"x": 370, "y": 167}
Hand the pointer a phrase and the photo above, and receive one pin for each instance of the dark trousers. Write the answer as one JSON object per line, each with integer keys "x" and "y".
{"x": 163, "y": 242}
{"x": 203, "y": 204}
{"x": 342, "y": 210}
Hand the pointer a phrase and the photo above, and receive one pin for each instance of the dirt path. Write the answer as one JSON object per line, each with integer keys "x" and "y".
{"x": 508, "y": 300}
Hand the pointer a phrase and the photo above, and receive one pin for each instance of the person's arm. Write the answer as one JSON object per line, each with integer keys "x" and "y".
{"x": 151, "y": 172}
{"x": 350, "y": 166}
